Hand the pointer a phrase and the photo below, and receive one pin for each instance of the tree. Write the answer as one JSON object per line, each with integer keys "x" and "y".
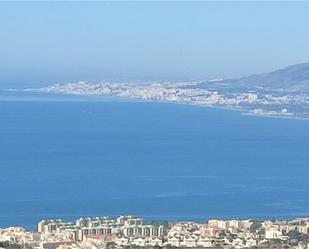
{"x": 296, "y": 236}
{"x": 256, "y": 226}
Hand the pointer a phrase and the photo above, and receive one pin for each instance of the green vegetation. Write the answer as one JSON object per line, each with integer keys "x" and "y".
{"x": 256, "y": 226}
{"x": 12, "y": 245}
{"x": 297, "y": 237}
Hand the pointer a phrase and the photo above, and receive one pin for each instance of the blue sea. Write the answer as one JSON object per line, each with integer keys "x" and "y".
{"x": 66, "y": 157}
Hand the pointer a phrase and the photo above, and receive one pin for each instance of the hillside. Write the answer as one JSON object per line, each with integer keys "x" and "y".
{"x": 292, "y": 78}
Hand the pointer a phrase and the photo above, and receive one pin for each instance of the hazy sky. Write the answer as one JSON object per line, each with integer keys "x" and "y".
{"x": 55, "y": 42}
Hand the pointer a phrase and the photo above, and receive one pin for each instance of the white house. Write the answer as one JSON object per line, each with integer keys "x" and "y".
{"x": 238, "y": 243}
{"x": 122, "y": 241}
{"x": 155, "y": 241}
{"x": 188, "y": 241}
{"x": 272, "y": 233}
{"x": 173, "y": 241}
{"x": 138, "y": 242}
{"x": 204, "y": 242}
{"x": 251, "y": 243}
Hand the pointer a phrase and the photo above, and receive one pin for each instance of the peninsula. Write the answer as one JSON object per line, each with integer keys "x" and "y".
{"x": 283, "y": 93}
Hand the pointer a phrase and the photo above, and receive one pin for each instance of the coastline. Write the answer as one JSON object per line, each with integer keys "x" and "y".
{"x": 95, "y": 98}
{"x": 159, "y": 218}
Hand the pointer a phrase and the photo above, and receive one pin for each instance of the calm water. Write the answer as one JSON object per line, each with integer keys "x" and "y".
{"x": 63, "y": 157}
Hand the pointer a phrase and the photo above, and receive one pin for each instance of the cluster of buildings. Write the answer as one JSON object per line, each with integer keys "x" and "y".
{"x": 16, "y": 235}
{"x": 105, "y": 227}
{"x": 261, "y": 103}
{"x": 280, "y": 229}
{"x": 129, "y": 231}
{"x": 187, "y": 93}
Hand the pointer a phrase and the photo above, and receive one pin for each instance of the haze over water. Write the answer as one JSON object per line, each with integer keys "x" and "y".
{"x": 66, "y": 157}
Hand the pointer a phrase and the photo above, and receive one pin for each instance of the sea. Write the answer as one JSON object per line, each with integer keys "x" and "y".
{"x": 67, "y": 156}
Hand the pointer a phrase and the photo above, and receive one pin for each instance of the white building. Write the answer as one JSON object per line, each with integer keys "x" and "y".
{"x": 204, "y": 242}
{"x": 251, "y": 243}
{"x": 188, "y": 241}
{"x": 272, "y": 233}
{"x": 122, "y": 241}
{"x": 155, "y": 242}
{"x": 138, "y": 242}
{"x": 173, "y": 241}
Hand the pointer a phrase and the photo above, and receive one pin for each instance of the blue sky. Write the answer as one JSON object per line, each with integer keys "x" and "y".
{"x": 56, "y": 42}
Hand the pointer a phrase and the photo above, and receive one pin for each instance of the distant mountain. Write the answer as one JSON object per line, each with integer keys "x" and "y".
{"x": 292, "y": 78}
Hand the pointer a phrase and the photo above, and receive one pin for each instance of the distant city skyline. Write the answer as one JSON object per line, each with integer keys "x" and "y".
{"x": 57, "y": 42}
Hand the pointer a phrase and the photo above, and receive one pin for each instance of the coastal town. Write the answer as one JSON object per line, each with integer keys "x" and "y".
{"x": 135, "y": 232}
{"x": 255, "y": 101}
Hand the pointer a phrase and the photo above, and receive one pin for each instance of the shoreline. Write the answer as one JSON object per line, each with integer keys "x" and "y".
{"x": 95, "y": 97}
{"x": 162, "y": 218}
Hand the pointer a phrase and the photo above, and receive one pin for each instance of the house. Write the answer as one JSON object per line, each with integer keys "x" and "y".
{"x": 138, "y": 242}
{"x": 251, "y": 243}
{"x": 272, "y": 233}
{"x": 204, "y": 242}
{"x": 121, "y": 241}
{"x": 188, "y": 241}
{"x": 155, "y": 241}
{"x": 238, "y": 243}
{"x": 173, "y": 241}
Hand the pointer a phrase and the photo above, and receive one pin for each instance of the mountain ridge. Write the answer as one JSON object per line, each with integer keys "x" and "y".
{"x": 292, "y": 78}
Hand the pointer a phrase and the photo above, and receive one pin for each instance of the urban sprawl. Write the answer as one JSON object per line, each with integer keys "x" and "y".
{"x": 257, "y": 101}
{"x": 131, "y": 232}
